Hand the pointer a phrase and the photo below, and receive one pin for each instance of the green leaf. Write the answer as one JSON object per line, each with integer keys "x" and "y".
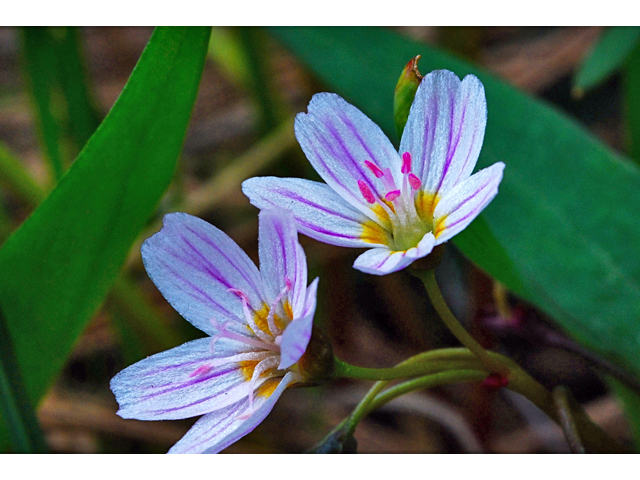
{"x": 58, "y": 86}
{"x": 82, "y": 114}
{"x": 568, "y": 208}
{"x": 41, "y": 71}
{"x": 606, "y": 57}
{"x": 15, "y": 406}
{"x": 631, "y": 402}
{"x": 58, "y": 267}
{"x": 631, "y": 77}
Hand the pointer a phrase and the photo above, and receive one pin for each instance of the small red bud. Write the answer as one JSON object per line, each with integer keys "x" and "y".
{"x": 495, "y": 382}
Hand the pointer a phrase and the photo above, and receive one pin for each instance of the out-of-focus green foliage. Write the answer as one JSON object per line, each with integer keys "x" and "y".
{"x": 59, "y": 265}
{"x": 41, "y": 68}
{"x": 606, "y": 57}
{"x": 568, "y": 208}
{"x": 15, "y": 405}
{"x": 226, "y": 49}
{"x": 57, "y": 83}
{"x": 632, "y": 103}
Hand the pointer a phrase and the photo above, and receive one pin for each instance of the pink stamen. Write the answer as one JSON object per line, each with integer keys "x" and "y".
{"x": 200, "y": 370}
{"x": 249, "y": 316}
{"x": 240, "y": 294}
{"x": 272, "y": 311}
{"x": 224, "y": 333}
{"x": 414, "y": 181}
{"x": 406, "y": 162}
{"x": 392, "y": 195}
{"x": 366, "y": 192}
{"x": 374, "y": 169}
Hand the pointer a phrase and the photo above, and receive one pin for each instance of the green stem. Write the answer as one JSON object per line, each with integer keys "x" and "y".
{"x": 413, "y": 367}
{"x": 562, "y": 399}
{"x": 429, "y": 381}
{"x": 428, "y": 277}
{"x": 592, "y": 436}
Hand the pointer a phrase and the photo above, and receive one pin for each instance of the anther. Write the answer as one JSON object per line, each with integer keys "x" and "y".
{"x": 414, "y": 181}
{"x": 366, "y": 192}
{"x": 392, "y": 195}
{"x": 374, "y": 169}
{"x": 406, "y": 162}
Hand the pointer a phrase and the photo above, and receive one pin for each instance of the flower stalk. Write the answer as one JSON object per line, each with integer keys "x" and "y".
{"x": 428, "y": 278}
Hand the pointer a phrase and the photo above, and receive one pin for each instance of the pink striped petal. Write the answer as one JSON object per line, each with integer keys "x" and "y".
{"x": 337, "y": 138}
{"x": 382, "y": 260}
{"x": 194, "y": 265}
{"x": 217, "y": 430}
{"x": 319, "y": 212}
{"x": 298, "y": 333}
{"x": 445, "y": 129}
{"x": 462, "y": 204}
{"x": 184, "y": 382}
{"x": 282, "y": 259}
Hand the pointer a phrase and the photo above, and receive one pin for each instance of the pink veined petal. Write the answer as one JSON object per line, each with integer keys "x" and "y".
{"x": 282, "y": 259}
{"x": 382, "y": 260}
{"x": 462, "y": 204}
{"x": 319, "y": 212}
{"x": 337, "y": 138}
{"x": 216, "y": 431}
{"x": 185, "y": 381}
{"x": 194, "y": 265}
{"x": 298, "y": 333}
{"x": 445, "y": 129}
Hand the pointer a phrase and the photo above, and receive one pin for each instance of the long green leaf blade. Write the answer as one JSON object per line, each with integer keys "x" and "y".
{"x": 16, "y": 409}
{"x": 58, "y": 267}
{"x": 606, "y": 57}
{"x": 74, "y": 82}
{"x": 568, "y": 208}
{"x": 41, "y": 69}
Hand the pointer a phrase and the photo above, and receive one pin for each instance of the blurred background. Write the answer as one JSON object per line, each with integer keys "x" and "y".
{"x": 242, "y": 126}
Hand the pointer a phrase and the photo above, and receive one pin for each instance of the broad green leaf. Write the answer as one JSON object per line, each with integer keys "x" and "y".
{"x": 632, "y": 103}
{"x": 606, "y": 57}
{"x": 59, "y": 265}
{"x": 568, "y": 208}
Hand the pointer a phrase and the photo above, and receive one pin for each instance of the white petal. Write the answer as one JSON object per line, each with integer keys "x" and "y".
{"x": 194, "y": 265}
{"x": 184, "y": 382}
{"x": 320, "y": 213}
{"x": 337, "y": 138}
{"x": 445, "y": 129}
{"x": 381, "y": 261}
{"x": 281, "y": 257}
{"x": 462, "y": 204}
{"x": 216, "y": 431}
{"x": 295, "y": 338}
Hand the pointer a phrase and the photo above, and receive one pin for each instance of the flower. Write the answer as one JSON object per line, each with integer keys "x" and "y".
{"x": 398, "y": 204}
{"x": 259, "y": 323}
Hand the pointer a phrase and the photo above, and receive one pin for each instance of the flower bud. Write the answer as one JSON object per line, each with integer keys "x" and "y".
{"x": 405, "y": 92}
{"x": 317, "y": 363}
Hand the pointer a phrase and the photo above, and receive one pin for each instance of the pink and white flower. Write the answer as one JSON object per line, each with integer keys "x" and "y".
{"x": 259, "y": 323}
{"x": 398, "y": 204}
